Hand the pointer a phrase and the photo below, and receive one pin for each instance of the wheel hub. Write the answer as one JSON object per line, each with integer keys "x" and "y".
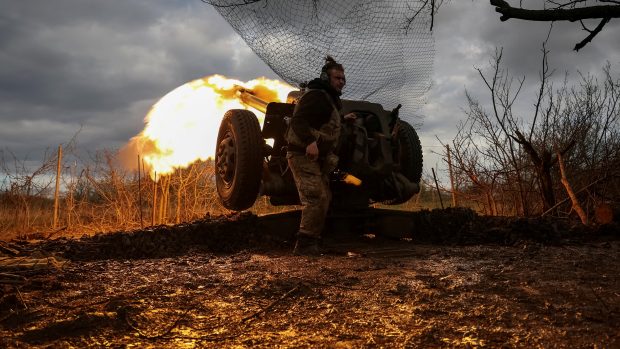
{"x": 225, "y": 159}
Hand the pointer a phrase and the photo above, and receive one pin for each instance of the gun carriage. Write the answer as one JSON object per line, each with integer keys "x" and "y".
{"x": 378, "y": 148}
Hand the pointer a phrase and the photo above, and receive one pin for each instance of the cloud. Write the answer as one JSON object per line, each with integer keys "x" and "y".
{"x": 99, "y": 65}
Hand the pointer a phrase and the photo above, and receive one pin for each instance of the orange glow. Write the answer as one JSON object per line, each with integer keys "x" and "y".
{"x": 182, "y": 126}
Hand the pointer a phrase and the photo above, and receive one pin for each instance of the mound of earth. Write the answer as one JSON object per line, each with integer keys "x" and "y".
{"x": 241, "y": 231}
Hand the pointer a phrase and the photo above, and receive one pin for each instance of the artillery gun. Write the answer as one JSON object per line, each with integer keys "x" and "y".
{"x": 379, "y": 148}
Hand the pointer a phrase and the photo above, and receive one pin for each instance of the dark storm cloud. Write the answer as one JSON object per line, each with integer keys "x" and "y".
{"x": 99, "y": 65}
{"x": 105, "y": 61}
{"x": 122, "y": 15}
{"x": 522, "y": 43}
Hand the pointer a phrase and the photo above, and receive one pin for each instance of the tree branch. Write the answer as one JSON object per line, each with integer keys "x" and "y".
{"x": 412, "y": 18}
{"x": 571, "y": 193}
{"x": 593, "y": 33}
{"x": 561, "y": 13}
{"x": 557, "y": 14}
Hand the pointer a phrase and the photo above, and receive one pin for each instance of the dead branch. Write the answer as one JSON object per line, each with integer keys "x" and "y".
{"x": 12, "y": 279}
{"x": 576, "y": 193}
{"x": 569, "y": 189}
{"x": 54, "y": 232}
{"x": 555, "y": 14}
{"x": 284, "y": 296}
{"x": 410, "y": 20}
{"x": 8, "y": 250}
{"x": 593, "y": 33}
{"x": 162, "y": 334}
{"x": 12, "y": 276}
{"x": 21, "y": 299}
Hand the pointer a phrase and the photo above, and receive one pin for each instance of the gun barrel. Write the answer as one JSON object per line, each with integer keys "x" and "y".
{"x": 248, "y": 98}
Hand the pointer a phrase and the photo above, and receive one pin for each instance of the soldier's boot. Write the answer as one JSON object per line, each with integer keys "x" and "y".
{"x": 306, "y": 246}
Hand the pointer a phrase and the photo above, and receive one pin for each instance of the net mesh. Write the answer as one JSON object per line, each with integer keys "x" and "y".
{"x": 388, "y": 58}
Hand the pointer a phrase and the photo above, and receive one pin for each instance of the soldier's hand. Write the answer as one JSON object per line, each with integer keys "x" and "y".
{"x": 312, "y": 151}
{"x": 350, "y": 116}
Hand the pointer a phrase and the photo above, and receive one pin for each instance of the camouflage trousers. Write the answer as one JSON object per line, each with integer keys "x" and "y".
{"x": 313, "y": 188}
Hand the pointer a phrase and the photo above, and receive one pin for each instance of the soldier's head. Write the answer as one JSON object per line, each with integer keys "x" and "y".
{"x": 333, "y": 73}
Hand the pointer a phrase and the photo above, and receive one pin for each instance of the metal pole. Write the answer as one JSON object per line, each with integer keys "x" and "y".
{"x": 58, "y": 169}
{"x": 437, "y": 186}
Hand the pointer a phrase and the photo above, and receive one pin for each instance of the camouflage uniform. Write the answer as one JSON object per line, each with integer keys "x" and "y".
{"x": 312, "y": 176}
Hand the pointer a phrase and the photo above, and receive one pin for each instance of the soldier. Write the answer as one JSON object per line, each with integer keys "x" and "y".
{"x": 312, "y": 140}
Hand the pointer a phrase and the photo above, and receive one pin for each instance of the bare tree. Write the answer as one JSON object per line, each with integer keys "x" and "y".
{"x": 503, "y": 154}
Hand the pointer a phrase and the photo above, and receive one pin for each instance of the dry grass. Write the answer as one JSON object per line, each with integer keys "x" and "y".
{"x": 99, "y": 195}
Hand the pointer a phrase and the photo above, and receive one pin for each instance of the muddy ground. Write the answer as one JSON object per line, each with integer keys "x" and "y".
{"x": 459, "y": 280}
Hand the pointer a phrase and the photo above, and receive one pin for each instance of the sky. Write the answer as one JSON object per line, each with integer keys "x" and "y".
{"x": 97, "y": 66}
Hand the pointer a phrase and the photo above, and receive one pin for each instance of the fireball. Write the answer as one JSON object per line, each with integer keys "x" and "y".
{"x": 181, "y": 128}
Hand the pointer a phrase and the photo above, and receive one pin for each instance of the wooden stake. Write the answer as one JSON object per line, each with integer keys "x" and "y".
{"x": 167, "y": 203}
{"x": 452, "y": 187}
{"x": 163, "y": 199}
{"x": 163, "y": 202}
{"x": 179, "y": 191}
{"x": 437, "y": 186}
{"x": 70, "y": 201}
{"x": 140, "y": 192}
{"x": 58, "y": 170}
{"x": 154, "y": 199}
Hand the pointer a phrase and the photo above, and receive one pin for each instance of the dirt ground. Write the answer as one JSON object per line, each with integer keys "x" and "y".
{"x": 459, "y": 280}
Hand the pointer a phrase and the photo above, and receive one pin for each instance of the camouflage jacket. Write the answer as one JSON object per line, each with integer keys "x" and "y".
{"x": 316, "y": 118}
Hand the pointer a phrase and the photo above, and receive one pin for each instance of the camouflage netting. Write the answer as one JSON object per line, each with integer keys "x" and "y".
{"x": 388, "y": 57}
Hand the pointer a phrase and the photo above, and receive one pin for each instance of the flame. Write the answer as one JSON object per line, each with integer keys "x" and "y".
{"x": 181, "y": 128}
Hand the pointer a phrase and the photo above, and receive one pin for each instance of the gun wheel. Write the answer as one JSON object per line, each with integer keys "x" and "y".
{"x": 238, "y": 159}
{"x": 410, "y": 152}
{"x": 409, "y": 156}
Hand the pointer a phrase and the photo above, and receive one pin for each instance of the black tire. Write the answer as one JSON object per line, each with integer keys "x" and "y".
{"x": 238, "y": 159}
{"x": 410, "y": 152}
{"x": 409, "y": 156}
